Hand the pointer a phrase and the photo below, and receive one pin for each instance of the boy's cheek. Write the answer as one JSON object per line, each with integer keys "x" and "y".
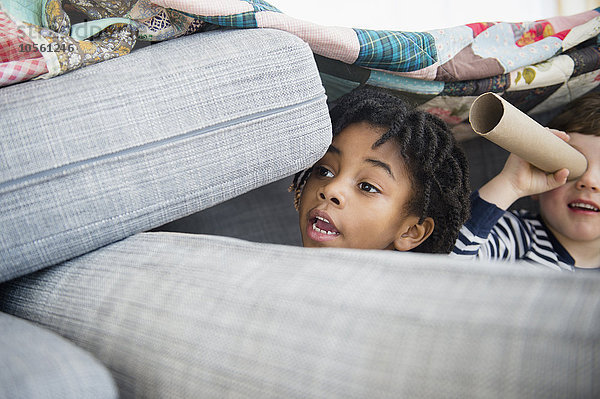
{"x": 545, "y": 200}
{"x": 553, "y": 195}
{"x": 554, "y": 200}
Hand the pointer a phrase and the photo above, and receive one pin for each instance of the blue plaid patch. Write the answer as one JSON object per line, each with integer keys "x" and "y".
{"x": 261, "y": 5}
{"x": 395, "y": 51}
{"x": 243, "y": 20}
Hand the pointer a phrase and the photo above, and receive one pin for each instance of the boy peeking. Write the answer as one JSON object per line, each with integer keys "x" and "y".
{"x": 565, "y": 235}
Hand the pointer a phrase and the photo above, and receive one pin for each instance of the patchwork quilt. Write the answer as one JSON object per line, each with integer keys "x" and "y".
{"x": 537, "y": 65}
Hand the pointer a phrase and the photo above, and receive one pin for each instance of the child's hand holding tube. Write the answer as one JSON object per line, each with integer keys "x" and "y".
{"x": 520, "y": 179}
{"x": 539, "y": 160}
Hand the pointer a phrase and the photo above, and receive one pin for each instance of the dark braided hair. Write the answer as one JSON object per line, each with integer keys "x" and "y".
{"x": 437, "y": 167}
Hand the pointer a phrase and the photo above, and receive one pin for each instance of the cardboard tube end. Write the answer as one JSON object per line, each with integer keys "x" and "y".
{"x": 503, "y": 124}
{"x": 485, "y": 113}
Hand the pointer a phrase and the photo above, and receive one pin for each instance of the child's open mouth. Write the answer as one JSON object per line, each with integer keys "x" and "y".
{"x": 321, "y": 229}
{"x": 583, "y": 206}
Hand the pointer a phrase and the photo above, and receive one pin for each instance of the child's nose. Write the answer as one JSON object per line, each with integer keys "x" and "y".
{"x": 590, "y": 179}
{"x": 332, "y": 192}
{"x": 332, "y": 199}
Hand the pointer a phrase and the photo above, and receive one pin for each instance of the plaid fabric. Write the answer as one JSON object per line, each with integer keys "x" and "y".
{"x": 395, "y": 51}
{"x": 19, "y": 71}
{"x": 243, "y": 20}
{"x": 13, "y": 43}
{"x": 19, "y": 60}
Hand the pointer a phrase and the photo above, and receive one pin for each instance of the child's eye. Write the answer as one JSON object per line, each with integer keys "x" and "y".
{"x": 323, "y": 171}
{"x": 368, "y": 187}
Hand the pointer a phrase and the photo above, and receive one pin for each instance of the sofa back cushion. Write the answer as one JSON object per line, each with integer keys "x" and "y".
{"x": 93, "y": 156}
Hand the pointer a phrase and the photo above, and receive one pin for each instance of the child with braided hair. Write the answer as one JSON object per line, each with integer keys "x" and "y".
{"x": 393, "y": 178}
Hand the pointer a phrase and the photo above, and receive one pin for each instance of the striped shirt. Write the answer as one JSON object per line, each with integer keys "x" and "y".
{"x": 492, "y": 233}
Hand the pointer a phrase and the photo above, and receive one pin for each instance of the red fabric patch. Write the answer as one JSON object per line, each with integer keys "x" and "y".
{"x": 541, "y": 30}
{"x": 562, "y": 35}
{"x": 479, "y": 27}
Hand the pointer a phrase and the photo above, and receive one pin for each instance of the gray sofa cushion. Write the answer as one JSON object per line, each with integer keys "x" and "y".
{"x": 126, "y": 145}
{"x": 38, "y": 364}
{"x": 176, "y": 315}
{"x": 265, "y": 214}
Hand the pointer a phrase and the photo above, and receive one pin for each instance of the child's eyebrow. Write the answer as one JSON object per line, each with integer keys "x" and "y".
{"x": 382, "y": 165}
{"x": 374, "y": 162}
{"x": 333, "y": 149}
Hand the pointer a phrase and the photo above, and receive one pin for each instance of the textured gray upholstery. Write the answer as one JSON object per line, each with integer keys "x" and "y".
{"x": 38, "y": 364}
{"x": 265, "y": 214}
{"x": 126, "y": 145}
{"x": 177, "y": 315}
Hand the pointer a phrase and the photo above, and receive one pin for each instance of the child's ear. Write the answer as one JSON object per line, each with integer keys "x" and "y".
{"x": 414, "y": 235}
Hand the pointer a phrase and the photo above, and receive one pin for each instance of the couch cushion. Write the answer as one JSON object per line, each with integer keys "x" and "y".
{"x": 176, "y": 315}
{"x": 265, "y": 214}
{"x": 38, "y": 364}
{"x": 116, "y": 148}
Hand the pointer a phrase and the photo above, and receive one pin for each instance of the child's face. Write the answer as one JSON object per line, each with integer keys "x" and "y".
{"x": 355, "y": 196}
{"x": 572, "y": 210}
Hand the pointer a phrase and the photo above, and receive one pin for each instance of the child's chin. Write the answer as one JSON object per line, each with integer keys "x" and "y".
{"x": 308, "y": 243}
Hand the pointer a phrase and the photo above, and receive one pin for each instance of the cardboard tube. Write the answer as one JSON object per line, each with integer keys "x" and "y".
{"x": 502, "y": 123}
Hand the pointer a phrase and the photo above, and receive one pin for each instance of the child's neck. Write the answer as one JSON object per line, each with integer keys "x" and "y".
{"x": 585, "y": 253}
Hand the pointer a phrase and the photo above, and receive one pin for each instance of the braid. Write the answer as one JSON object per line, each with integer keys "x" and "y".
{"x": 436, "y": 166}
{"x": 440, "y": 178}
{"x": 300, "y": 179}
